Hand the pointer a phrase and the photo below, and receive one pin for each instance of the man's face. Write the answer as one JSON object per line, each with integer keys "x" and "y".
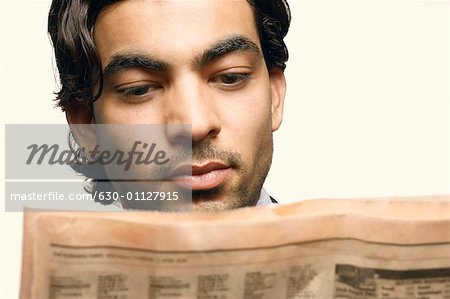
{"x": 198, "y": 63}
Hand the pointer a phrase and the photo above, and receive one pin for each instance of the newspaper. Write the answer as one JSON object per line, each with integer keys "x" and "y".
{"x": 325, "y": 248}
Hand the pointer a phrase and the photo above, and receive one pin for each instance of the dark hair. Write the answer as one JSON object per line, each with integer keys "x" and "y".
{"x": 71, "y": 23}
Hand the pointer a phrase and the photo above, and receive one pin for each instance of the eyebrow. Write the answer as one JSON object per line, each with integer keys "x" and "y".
{"x": 121, "y": 61}
{"x": 237, "y": 43}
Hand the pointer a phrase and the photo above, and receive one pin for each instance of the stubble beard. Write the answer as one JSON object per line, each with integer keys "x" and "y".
{"x": 248, "y": 189}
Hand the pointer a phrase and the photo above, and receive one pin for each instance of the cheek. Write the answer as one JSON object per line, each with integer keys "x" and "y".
{"x": 106, "y": 112}
{"x": 248, "y": 124}
{"x": 251, "y": 112}
{"x": 109, "y": 110}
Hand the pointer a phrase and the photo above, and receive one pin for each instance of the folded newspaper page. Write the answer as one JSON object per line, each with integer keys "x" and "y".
{"x": 326, "y": 248}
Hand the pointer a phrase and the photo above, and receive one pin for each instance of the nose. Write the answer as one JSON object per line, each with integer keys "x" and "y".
{"x": 191, "y": 102}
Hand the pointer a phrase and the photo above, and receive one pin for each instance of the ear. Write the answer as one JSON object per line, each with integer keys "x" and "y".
{"x": 278, "y": 89}
{"x": 81, "y": 120}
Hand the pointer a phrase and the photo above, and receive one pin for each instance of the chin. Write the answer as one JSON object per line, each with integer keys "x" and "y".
{"x": 220, "y": 199}
{"x": 218, "y": 204}
{"x": 208, "y": 207}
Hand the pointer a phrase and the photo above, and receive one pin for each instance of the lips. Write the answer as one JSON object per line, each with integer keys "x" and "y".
{"x": 201, "y": 177}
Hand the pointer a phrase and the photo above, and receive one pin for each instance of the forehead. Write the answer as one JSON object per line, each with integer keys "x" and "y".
{"x": 174, "y": 29}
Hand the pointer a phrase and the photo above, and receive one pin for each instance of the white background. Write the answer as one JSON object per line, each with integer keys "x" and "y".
{"x": 366, "y": 114}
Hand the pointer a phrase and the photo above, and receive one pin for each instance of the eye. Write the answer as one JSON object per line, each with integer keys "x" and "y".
{"x": 137, "y": 91}
{"x": 232, "y": 78}
{"x": 229, "y": 80}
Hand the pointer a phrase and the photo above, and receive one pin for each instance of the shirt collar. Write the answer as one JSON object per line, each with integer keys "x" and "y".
{"x": 264, "y": 199}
